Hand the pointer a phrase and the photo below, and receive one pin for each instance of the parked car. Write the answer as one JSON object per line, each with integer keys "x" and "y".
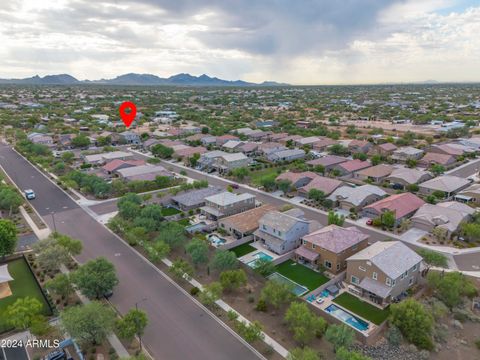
{"x": 369, "y": 222}
{"x": 29, "y": 194}
{"x": 235, "y": 186}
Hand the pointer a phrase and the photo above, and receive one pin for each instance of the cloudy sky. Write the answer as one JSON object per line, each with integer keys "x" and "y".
{"x": 299, "y": 42}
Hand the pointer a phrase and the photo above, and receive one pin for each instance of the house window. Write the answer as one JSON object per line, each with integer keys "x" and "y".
{"x": 338, "y": 266}
{"x": 279, "y": 233}
{"x": 304, "y": 242}
{"x": 313, "y": 246}
{"x": 264, "y": 227}
{"x": 374, "y": 276}
{"x": 362, "y": 268}
{"x": 328, "y": 264}
{"x": 388, "y": 282}
{"x": 410, "y": 281}
{"x": 354, "y": 280}
{"x": 414, "y": 268}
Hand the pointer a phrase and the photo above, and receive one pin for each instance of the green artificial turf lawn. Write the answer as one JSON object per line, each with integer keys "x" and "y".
{"x": 243, "y": 249}
{"x": 23, "y": 285}
{"x": 169, "y": 211}
{"x": 184, "y": 222}
{"x": 301, "y": 274}
{"x": 362, "y": 308}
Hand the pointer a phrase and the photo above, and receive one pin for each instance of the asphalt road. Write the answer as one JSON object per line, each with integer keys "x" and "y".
{"x": 178, "y": 328}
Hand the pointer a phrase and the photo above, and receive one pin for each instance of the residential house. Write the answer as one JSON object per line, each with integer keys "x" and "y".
{"x": 129, "y": 137}
{"x": 449, "y": 185}
{"x": 323, "y": 143}
{"x": 269, "y": 147}
{"x": 245, "y": 223}
{"x": 306, "y": 141}
{"x": 207, "y": 160}
{"x": 220, "y": 140}
{"x": 41, "y": 139}
{"x": 445, "y": 160}
{"x": 402, "y": 205}
{"x": 383, "y": 271}
{"x": 286, "y": 155}
{"x": 473, "y": 142}
{"x": 143, "y": 172}
{"x": 407, "y": 153}
{"x": 328, "y": 162}
{"x": 208, "y": 140}
{"x": 347, "y": 168}
{"x": 446, "y": 149}
{"x": 359, "y": 146}
{"x": 470, "y": 194}
{"x": 117, "y": 164}
{"x": 324, "y": 184}
{"x": 64, "y": 141}
{"x": 447, "y": 216}
{"x": 277, "y": 136}
{"x": 149, "y": 143}
{"x": 280, "y": 232}
{"x": 102, "y": 158}
{"x": 232, "y": 145}
{"x": 403, "y": 177}
{"x": 249, "y": 148}
{"x": 348, "y": 198}
{"x": 376, "y": 174}
{"x": 297, "y": 179}
{"x": 385, "y": 149}
{"x": 330, "y": 247}
{"x": 194, "y": 199}
{"x": 226, "y": 203}
{"x": 189, "y": 151}
{"x": 228, "y": 162}
{"x": 290, "y": 139}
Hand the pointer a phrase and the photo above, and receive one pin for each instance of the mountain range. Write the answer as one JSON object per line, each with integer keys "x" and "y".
{"x": 139, "y": 80}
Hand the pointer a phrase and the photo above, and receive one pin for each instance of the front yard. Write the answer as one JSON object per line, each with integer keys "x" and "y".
{"x": 362, "y": 308}
{"x": 23, "y": 285}
{"x": 301, "y": 274}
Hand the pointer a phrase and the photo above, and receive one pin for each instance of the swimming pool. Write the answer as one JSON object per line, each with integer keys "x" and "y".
{"x": 216, "y": 240}
{"x": 347, "y": 318}
{"x": 258, "y": 256}
{"x": 196, "y": 227}
{"x": 297, "y": 289}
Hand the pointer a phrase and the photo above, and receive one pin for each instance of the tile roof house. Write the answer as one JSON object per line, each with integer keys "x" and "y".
{"x": 228, "y": 162}
{"x": 359, "y": 146}
{"x": 245, "y": 223}
{"x": 376, "y": 174}
{"x": 403, "y": 177}
{"x": 330, "y": 247}
{"x": 347, "y": 168}
{"x": 280, "y": 232}
{"x": 118, "y": 164}
{"x": 447, "y": 215}
{"x": 194, "y": 199}
{"x": 385, "y": 149}
{"x": 232, "y": 145}
{"x": 383, "y": 271}
{"x": 324, "y": 184}
{"x": 470, "y": 194}
{"x": 448, "y": 184}
{"x": 189, "y": 151}
{"x": 226, "y": 203}
{"x": 328, "y": 162}
{"x": 430, "y": 158}
{"x": 306, "y": 141}
{"x": 220, "y": 140}
{"x": 248, "y": 148}
{"x": 286, "y": 155}
{"x": 104, "y": 157}
{"x": 446, "y": 149}
{"x": 277, "y": 136}
{"x": 402, "y": 205}
{"x": 407, "y": 153}
{"x": 269, "y": 147}
{"x": 323, "y": 143}
{"x": 297, "y": 179}
{"x": 143, "y": 172}
{"x": 356, "y": 197}
{"x": 129, "y": 137}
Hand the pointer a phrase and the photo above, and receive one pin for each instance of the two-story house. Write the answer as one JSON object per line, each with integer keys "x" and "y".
{"x": 330, "y": 247}
{"x": 129, "y": 137}
{"x": 280, "y": 232}
{"x": 383, "y": 271}
{"x": 226, "y": 203}
{"x": 228, "y": 162}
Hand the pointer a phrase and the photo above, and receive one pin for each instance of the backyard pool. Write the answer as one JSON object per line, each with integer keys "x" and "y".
{"x": 347, "y": 318}
{"x": 216, "y": 240}
{"x": 297, "y": 289}
{"x": 196, "y": 227}
{"x": 258, "y": 256}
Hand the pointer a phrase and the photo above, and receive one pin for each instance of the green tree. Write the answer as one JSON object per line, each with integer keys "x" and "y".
{"x": 157, "y": 251}
{"x": 60, "y": 285}
{"x": 411, "y": 163}
{"x": 284, "y": 185}
{"x": 198, "y": 251}
{"x": 433, "y": 258}
{"x": 95, "y": 278}
{"x": 68, "y": 156}
{"x": 264, "y": 267}
{"x": 338, "y": 149}
{"x": 162, "y": 151}
{"x": 8, "y": 237}
{"x": 172, "y": 234}
{"x": 340, "y": 336}
{"x": 22, "y": 312}
{"x": 268, "y": 182}
{"x": 376, "y": 159}
{"x": 304, "y": 353}
{"x": 276, "y": 293}
{"x": 437, "y": 169}
{"x": 343, "y": 354}
{"x": 50, "y": 254}
{"x": 133, "y": 323}
{"x": 10, "y": 200}
{"x": 240, "y": 173}
{"x": 90, "y": 323}
{"x": 72, "y": 246}
{"x": 210, "y": 293}
{"x": 335, "y": 219}
{"x": 414, "y": 322}
{"x": 471, "y": 231}
{"x": 304, "y": 324}
{"x": 388, "y": 219}
{"x": 233, "y": 279}
{"x": 251, "y": 333}
{"x": 80, "y": 141}
{"x": 180, "y": 269}
{"x": 439, "y": 194}
{"x": 224, "y": 260}
{"x": 451, "y": 287}
{"x": 316, "y": 194}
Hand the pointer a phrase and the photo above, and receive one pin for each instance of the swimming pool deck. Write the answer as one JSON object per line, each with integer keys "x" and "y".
{"x": 252, "y": 256}
{"x": 329, "y": 301}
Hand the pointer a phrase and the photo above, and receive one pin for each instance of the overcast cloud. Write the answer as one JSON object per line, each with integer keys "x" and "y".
{"x": 300, "y": 42}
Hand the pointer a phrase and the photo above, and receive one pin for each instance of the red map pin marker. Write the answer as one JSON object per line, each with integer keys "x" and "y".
{"x": 127, "y": 118}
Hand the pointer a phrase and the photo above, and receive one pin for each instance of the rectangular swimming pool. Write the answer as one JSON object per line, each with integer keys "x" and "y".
{"x": 347, "y": 318}
{"x": 258, "y": 256}
{"x": 297, "y": 289}
{"x": 216, "y": 240}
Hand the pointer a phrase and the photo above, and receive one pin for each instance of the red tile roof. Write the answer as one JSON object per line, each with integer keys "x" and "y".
{"x": 400, "y": 204}
{"x": 354, "y": 165}
{"x": 115, "y": 164}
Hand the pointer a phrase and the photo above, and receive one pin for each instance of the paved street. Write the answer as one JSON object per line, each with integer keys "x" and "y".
{"x": 178, "y": 328}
